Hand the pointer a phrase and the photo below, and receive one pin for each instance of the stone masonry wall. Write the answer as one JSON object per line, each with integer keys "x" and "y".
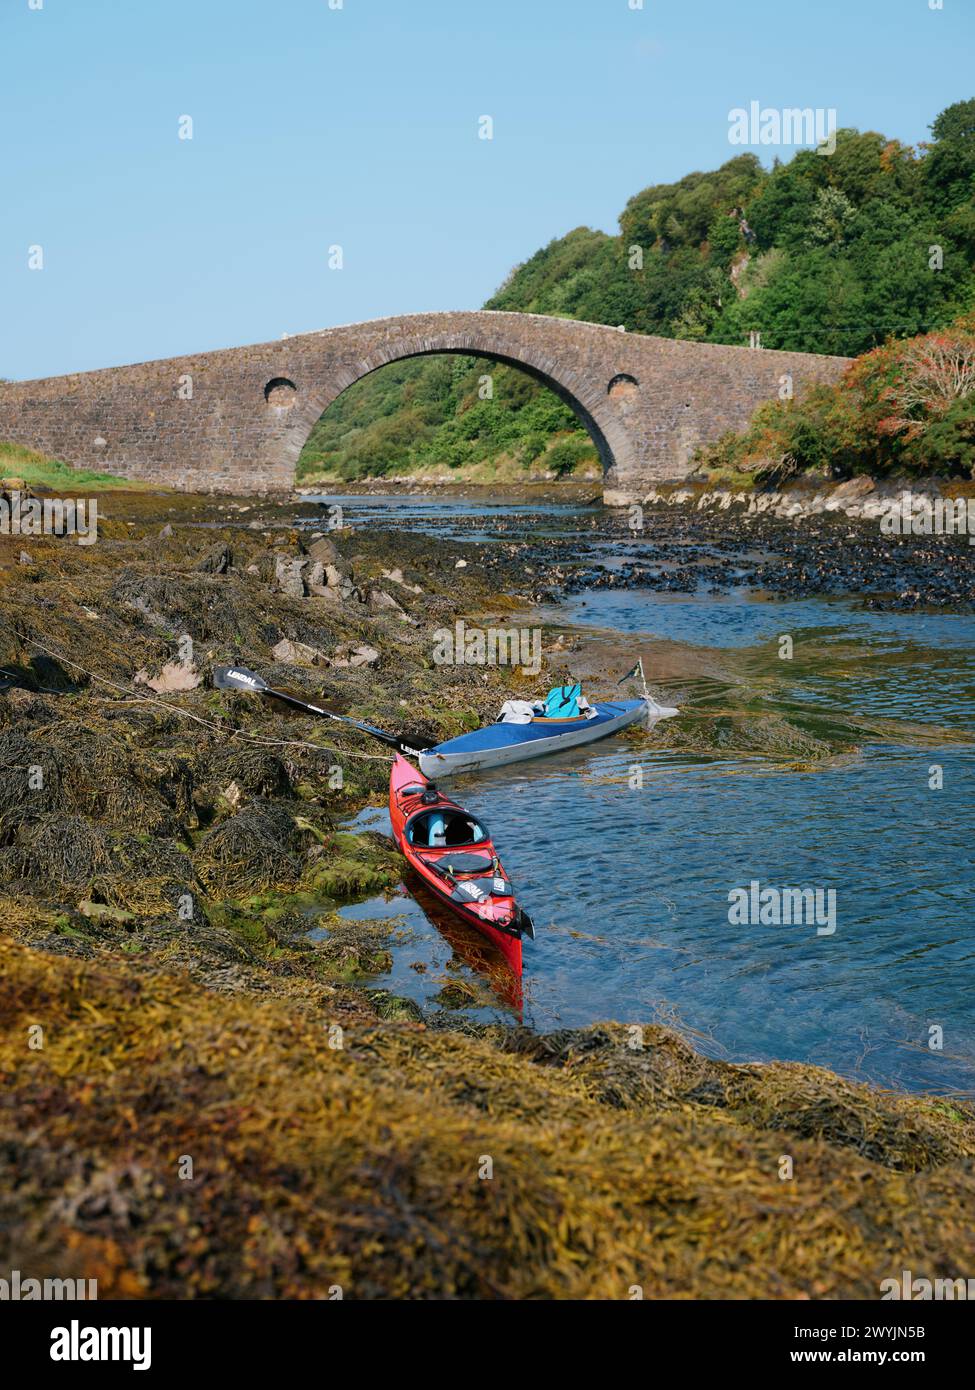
{"x": 236, "y": 420}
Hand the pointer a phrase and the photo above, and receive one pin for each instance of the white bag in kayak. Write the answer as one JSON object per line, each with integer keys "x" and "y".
{"x": 516, "y": 712}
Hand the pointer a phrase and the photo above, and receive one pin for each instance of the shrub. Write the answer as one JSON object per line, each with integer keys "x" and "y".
{"x": 568, "y": 453}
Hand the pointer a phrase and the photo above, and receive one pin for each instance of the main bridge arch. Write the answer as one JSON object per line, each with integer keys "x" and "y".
{"x": 589, "y": 403}
{"x": 237, "y": 420}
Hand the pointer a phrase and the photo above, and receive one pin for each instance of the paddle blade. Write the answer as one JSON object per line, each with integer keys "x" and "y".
{"x": 238, "y": 678}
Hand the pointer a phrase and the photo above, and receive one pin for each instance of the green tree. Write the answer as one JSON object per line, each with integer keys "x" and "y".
{"x": 949, "y": 170}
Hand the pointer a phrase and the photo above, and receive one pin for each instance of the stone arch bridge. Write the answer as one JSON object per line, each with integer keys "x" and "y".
{"x": 236, "y": 420}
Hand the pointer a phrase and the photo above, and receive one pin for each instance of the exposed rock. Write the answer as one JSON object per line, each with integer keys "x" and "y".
{"x": 396, "y": 576}
{"x": 288, "y": 576}
{"x": 166, "y": 532}
{"x": 340, "y": 579}
{"x": 102, "y": 912}
{"x": 322, "y": 591}
{"x": 860, "y": 498}
{"x": 361, "y": 655}
{"x": 324, "y": 551}
{"x": 378, "y": 598}
{"x": 297, "y": 654}
{"x": 364, "y": 655}
{"x": 232, "y": 795}
{"x": 849, "y": 496}
{"x": 215, "y": 561}
{"x": 174, "y": 676}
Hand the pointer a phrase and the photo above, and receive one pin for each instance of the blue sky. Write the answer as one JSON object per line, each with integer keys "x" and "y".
{"x": 358, "y": 127}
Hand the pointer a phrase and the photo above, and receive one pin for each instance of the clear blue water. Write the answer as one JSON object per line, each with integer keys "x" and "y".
{"x": 629, "y": 884}
{"x": 846, "y": 658}
{"x": 742, "y": 618}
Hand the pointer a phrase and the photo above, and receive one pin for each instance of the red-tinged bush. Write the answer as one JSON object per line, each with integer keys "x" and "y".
{"x": 908, "y": 406}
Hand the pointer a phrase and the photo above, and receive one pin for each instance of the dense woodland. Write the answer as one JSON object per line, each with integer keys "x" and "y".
{"x": 846, "y": 253}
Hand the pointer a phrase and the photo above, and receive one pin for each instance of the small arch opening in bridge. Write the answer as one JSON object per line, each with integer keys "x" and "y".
{"x": 449, "y": 415}
{"x": 621, "y": 386}
{"x": 280, "y": 393}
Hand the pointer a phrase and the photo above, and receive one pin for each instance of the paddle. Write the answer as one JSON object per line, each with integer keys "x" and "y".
{"x": 239, "y": 678}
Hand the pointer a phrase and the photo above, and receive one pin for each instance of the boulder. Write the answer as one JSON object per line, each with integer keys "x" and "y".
{"x": 288, "y": 575}
{"x": 297, "y": 653}
{"x": 216, "y": 561}
{"x": 332, "y": 597}
{"x": 854, "y": 488}
{"x": 324, "y": 551}
{"x": 104, "y": 912}
{"x": 174, "y": 676}
{"x": 396, "y": 576}
{"x": 363, "y": 655}
{"x": 340, "y": 581}
{"x": 379, "y": 599}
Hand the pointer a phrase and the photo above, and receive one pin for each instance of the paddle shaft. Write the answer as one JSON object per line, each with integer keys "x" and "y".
{"x": 392, "y": 740}
{"x": 238, "y": 678}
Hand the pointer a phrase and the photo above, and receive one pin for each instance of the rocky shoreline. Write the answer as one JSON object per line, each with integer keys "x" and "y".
{"x": 803, "y": 539}
{"x": 165, "y": 849}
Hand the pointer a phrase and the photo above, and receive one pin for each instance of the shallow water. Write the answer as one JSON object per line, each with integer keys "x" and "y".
{"x": 451, "y": 518}
{"x": 810, "y": 772}
{"x": 916, "y": 666}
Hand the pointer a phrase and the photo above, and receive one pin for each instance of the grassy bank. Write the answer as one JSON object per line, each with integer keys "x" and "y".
{"x": 39, "y": 471}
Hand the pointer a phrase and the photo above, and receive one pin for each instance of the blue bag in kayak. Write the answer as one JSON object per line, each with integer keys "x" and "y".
{"x": 562, "y": 702}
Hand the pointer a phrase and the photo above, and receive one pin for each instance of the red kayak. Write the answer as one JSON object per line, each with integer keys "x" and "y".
{"x": 455, "y": 858}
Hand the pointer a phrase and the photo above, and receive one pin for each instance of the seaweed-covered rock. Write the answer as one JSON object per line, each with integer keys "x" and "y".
{"x": 252, "y": 850}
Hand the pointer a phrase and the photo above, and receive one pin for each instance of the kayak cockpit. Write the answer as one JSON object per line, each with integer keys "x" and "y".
{"x": 444, "y": 827}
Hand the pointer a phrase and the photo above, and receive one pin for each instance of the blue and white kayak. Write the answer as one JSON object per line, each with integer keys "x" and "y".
{"x": 497, "y": 744}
